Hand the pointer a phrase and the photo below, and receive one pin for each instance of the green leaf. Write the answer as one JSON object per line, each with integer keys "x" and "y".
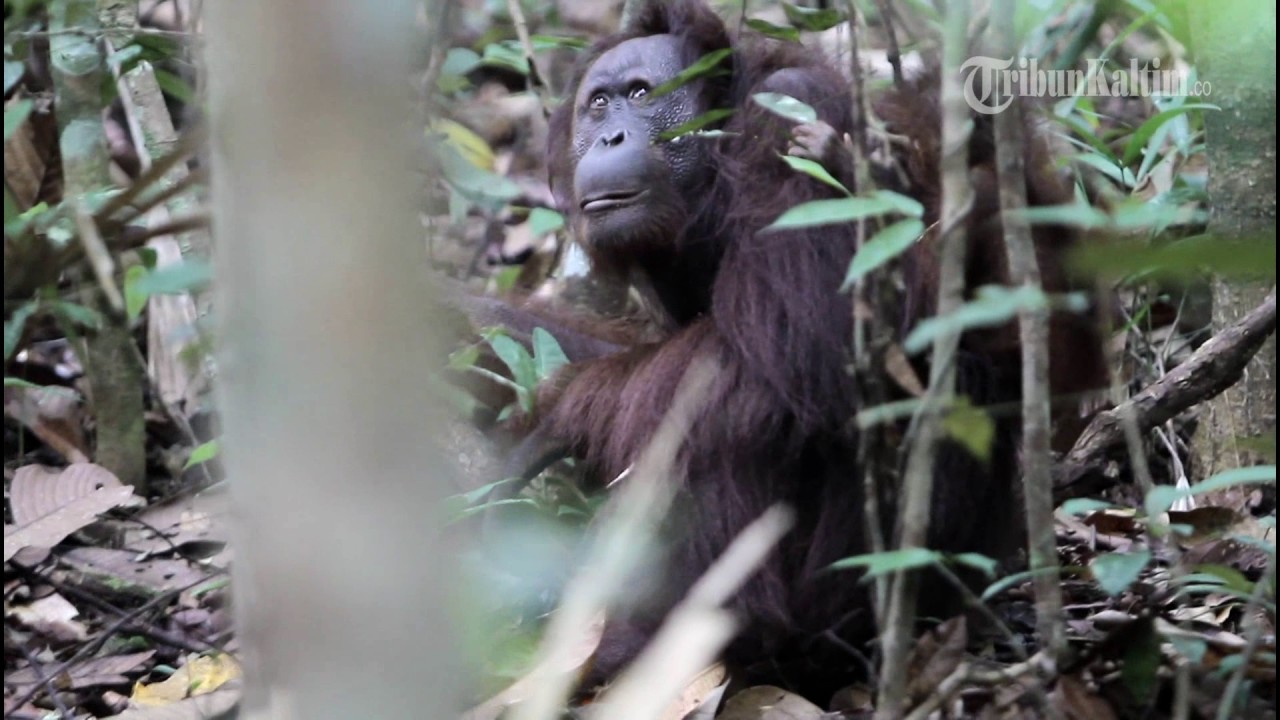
{"x": 898, "y": 202}
{"x": 1228, "y": 576}
{"x": 1115, "y": 572}
{"x": 556, "y": 42}
{"x": 699, "y": 122}
{"x": 548, "y": 356}
{"x": 883, "y": 247}
{"x": 1138, "y": 141}
{"x": 890, "y": 561}
{"x": 543, "y": 221}
{"x": 459, "y": 61}
{"x": 517, "y": 359}
{"x": 1191, "y": 648}
{"x": 814, "y": 170}
{"x": 972, "y": 428}
{"x": 175, "y": 86}
{"x": 14, "y": 382}
{"x": 202, "y": 453}
{"x": 1161, "y": 498}
{"x": 507, "y": 55}
{"x": 1018, "y": 578}
{"x": 786, "y": 106}
{"x": 135, "y": 296}
{"x": 15, "y": 115}
{"x": 829, "y": 212}
{"x": 464, "y": 357}
{"x": 703, "y": 66}
{"x": 1082, "y": 506}
{"x": 1252, "y": 256}
{"x": 13, "y": 72}
{"x": 190, "y": 275}
{"x": 14, "y": 326}
{"x": 472, "y": 182}
{"x": 1081, "y": 216}
{"x": 995, "y": 305}
{"x": 983, "y": 564}
{"x": 779, "y": 32}
{"x": 812, "y": 19}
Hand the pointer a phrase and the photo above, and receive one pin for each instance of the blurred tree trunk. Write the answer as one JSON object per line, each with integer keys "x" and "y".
{"x": 110, "y": 356}
{"x": 331, "y": 437}
{"x": 1235, "y": 46}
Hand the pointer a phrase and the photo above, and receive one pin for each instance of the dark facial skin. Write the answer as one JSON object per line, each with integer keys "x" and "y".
{"x": 627, "y": 181}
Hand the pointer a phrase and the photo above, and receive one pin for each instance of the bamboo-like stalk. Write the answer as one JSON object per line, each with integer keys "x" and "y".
{"x": 957, "y": 199}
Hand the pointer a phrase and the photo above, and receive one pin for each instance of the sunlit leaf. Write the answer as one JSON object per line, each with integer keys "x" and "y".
{"x": 543, "y": 221}
{"x": 786, "y": 106}
{"x": 1083, "y": 506}
{"x": 972, "y": 428}
{"x": 204, "y": 452}
{"x": 1115, "y": 572}
{"x": 135, "y": 297}
{"x": 830, "y": 212}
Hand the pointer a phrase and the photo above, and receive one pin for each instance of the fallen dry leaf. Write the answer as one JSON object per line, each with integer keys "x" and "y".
{"x": 200, "y": 675}
{"x": 48, "y": 504}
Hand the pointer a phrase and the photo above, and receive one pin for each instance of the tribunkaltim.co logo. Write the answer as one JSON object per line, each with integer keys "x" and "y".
{"x": 990, "y": 84}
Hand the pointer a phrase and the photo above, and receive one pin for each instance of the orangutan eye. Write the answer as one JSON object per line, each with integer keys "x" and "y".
{"x": 638, "y": 91}
{"x": 598, "y": 102}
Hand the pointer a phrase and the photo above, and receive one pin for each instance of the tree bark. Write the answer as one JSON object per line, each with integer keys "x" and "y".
{"x": 1235, "y": 46}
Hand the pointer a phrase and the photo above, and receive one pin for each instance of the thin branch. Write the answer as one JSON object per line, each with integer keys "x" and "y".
{"x": 957, "y": 199}
{"x": 1033, "y": 332}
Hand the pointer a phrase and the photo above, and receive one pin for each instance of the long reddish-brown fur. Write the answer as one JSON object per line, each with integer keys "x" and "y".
{"x": 777, "y": 426}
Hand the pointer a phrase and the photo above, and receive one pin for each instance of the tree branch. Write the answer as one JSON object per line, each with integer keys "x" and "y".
{"x": 1214, "y": 367}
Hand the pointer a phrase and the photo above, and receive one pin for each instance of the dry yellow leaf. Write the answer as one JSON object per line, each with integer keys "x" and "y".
{"x": 200, "y": 675}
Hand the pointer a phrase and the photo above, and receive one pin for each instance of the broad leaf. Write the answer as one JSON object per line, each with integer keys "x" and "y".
{"x": 812, "y": 19}
{"x": 890, "y": 561}
{"x": 699, "y": 122}
{"x": 548, "y": 357}
{"x": 786, "y": 106}
{"x": 995, "y": 305}
{"x": 1115, "y": 572}
{"x": 703, "y": 66}
{"x": 774, "y": 31}
{"x": 883, "y": 247}
{"x": 830, "y": 212}
{"x": 815, "y": 171}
